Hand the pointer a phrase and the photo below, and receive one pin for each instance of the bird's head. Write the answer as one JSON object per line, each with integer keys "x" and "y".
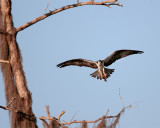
{"x": 99, "y": 62}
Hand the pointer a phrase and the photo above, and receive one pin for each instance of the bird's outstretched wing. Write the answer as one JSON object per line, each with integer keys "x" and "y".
{"x": 78, "y": 62}
{"x": 118, "y": 55}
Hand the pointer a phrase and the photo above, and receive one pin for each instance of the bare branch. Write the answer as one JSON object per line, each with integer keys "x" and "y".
{"x": 10, "y": 102}
{"x": 47, "y": 6}
{"x": 4, "y": 61}
{"x": 72, "y": 118}
{"x": 45, "y": 118}
{"x": 107, "y": 112}
{"x": 48, "y": 114}
{"x": 95, "y": 121}
{"x": 50, "y": 119}
{"x": 107, "y": 3}
{"x": 45, "y": 123}
{"x": 7, "y": 106}
{"x": 47, "y": 110}
{"x": 116, "y": 117}
{"x": 121, "y": 98}
{"x": 26, "y": 116}
{"x": 60, "y": 115}
{"x": 116, "y": 4}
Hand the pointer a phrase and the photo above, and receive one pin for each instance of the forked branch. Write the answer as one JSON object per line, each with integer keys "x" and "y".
{"x": 7, "y": 106}
{"x": 103, "y": 117}
{"x": 107, "y": 3}
{"x": 116, "y": 117}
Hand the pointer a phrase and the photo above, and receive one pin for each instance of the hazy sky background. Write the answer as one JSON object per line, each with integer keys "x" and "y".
{"x": 91, "y": 32}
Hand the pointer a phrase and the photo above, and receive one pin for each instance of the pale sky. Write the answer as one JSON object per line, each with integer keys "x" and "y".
{"x": 91, "y": 32}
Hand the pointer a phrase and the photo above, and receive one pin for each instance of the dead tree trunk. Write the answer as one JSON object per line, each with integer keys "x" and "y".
{"x": 13, "y": 74}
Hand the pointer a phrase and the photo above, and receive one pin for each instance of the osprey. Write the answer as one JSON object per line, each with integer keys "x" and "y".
{"x": 102, "y": 72}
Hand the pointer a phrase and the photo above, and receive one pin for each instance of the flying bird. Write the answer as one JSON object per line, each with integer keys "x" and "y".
{"x": 101, "y": 72}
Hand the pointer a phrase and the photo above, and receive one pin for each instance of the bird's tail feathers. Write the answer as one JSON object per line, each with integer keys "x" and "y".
{"x": 98, "y": 75}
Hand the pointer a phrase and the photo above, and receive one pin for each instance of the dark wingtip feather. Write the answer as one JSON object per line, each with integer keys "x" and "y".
{"x": 140, "y": 52}
{"x": 60, "y": 65}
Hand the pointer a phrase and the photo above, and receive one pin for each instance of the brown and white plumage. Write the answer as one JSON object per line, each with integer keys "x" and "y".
{"x": 101, "y": 73}
{"x": 78, "y": 62}
{"x": 118, "y": 55}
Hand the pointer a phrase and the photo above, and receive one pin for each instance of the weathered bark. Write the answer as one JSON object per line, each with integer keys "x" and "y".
{"x": 13, "y": 74}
